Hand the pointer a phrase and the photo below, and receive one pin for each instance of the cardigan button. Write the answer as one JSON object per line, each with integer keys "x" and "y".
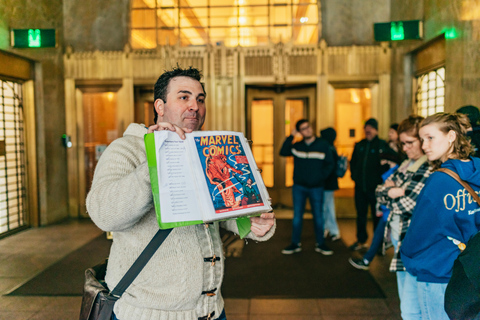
{"x": 213, "y": 260}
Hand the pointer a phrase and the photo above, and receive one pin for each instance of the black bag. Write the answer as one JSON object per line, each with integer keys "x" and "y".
{"x": 97, "y": 300}
{"x": 97, "y": 303}
{"x": 342, "y": 166}
{"x": 462, "y": 296}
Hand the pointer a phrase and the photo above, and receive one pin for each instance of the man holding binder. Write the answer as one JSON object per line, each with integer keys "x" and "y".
{"x": 183, "y": 278}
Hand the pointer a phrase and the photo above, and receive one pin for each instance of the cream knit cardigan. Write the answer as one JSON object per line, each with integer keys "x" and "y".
{"x": 171, "y": 284}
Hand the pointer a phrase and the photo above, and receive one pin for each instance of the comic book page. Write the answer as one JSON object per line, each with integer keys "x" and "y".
{"x": 174, "y": 192}
{"x": 225, "y": 167}
{"x": 209, "y": 176}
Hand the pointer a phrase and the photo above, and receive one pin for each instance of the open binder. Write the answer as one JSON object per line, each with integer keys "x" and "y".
{"x": 209, "y": 176}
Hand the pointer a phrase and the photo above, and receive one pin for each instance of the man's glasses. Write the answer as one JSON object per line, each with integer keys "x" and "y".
{"x": 408, "y": 144}
{"x": 304, "y": 128}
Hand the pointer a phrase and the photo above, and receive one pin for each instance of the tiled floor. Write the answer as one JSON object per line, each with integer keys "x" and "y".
{"x": 25, "y": 254}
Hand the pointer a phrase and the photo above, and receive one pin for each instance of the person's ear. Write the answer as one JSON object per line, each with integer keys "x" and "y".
{"x": 159, "y": 107}
{"x": 451, "y": 136}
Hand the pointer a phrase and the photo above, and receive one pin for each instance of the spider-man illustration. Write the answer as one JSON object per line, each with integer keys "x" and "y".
{"x": 218, "y": 172}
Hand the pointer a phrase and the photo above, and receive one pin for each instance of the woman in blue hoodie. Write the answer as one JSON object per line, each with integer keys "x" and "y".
{"x": 445, "y": 216}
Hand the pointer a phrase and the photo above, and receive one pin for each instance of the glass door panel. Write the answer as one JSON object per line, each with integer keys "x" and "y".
{"x": 100, "y": 128}
{"x": 352, "y": 109}
{"x": 262, "y": 137}
{"x": 294, "y": 111}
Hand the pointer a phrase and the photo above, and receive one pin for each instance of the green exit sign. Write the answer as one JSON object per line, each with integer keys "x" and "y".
{"x": 33, "y": 38}
{"x": 398, "y": 30}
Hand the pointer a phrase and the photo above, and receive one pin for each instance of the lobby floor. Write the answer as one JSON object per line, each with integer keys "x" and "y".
{"x": 27, "y": 253}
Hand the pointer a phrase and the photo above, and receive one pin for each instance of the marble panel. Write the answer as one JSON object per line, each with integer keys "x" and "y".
{"x": 350, "y": 22}
{"x": 96, "y": 25}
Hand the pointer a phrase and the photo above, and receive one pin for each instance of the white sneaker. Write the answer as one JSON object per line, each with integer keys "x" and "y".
{"x": 336, "y": 237}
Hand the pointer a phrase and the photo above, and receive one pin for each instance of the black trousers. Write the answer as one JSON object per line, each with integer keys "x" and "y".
{"x": 364, "y": 199}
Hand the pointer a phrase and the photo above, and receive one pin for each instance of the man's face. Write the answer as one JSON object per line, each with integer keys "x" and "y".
{"x": 370, "y": 132}
{"x": 392, "y": 135}
{"x": 185, "y": 106}
{"x": 306, "y": 130}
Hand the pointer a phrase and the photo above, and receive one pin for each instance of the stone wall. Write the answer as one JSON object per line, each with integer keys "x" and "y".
{"x": 96, "y": 25}
{"x": 52, "y": 174}
{"x": 462, "y": 51}
{"x": 350, "y": 22}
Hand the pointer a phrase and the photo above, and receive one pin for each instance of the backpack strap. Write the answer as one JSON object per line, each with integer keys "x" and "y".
{"x": 463, "y": 183}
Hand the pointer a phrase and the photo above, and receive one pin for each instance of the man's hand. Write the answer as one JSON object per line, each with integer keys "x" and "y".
{"x": 391, "y": 164}
{"x": 171, "y": 127}
{"x": 261, "y": 225}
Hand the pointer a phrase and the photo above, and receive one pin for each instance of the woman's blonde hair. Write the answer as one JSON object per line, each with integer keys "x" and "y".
{"x": 458, "y": 123}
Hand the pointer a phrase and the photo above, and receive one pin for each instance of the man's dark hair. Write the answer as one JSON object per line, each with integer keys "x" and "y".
{"x": 471, "y": 112}
{"x": 394, "y": 126}
{"x": 299, "y": 123}
{"x": 160, "y": 89}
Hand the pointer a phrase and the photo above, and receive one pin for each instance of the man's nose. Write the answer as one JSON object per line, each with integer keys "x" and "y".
{"x": 193, "y": 105}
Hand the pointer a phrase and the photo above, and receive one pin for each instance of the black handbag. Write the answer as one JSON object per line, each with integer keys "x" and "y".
{"x": 97, "y": 300}
{"x": 462, "y": 296}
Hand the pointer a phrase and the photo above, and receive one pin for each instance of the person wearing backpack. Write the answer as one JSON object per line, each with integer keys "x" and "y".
{"x": 331, "y": 184}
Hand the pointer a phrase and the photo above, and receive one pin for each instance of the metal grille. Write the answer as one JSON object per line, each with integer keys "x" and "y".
{"x": 13, "y": 213}
{"x": 430, "y": 95}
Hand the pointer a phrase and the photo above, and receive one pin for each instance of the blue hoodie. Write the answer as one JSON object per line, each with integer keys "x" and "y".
{"x": 444, "y": 217}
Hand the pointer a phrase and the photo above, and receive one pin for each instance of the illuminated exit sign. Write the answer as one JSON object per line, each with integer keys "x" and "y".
{"x": 398, "y": 30}
{"x": 33, "y": 38}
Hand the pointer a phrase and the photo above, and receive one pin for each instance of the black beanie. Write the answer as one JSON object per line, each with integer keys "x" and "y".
{"x": 471, "y": 112}
{"x": 329, "y": 134}
{"x": 372, "y": 123}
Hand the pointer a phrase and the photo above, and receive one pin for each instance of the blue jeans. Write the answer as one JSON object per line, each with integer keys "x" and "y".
{"x": 329, "y": 213}
{"x": 377, "y": 240}
{"x": 300, "y": 195}
{"x": 222, "y": 316}
{"x": 408, "y": 293}
{"x": 431, "y": 298}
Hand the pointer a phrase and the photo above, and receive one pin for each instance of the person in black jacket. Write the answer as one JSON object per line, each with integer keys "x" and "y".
{"x": 313, "y": 163}
{"x": 331, "y": 184}
{"x": 366, "y": 171}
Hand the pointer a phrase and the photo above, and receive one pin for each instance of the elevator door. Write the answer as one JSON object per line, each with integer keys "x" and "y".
{"x": 271, "y": 117}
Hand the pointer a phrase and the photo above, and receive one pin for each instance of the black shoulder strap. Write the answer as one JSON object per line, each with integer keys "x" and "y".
{"x": 141, "y": 261}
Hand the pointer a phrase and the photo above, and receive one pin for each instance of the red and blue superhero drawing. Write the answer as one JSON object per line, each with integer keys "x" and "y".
{"x": 227, "y": 172}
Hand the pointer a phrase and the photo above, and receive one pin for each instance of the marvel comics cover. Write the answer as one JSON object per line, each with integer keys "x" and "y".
{"x": 209, "y": 176}
{"x": 231, "y": 183}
